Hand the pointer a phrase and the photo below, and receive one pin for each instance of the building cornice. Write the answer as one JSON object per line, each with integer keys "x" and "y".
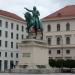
{"x": 71, "y": 32}
{"x": 62, "y": 46}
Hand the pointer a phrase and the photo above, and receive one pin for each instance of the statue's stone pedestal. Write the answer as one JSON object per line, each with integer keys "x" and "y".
{"x": 34, "y": 55}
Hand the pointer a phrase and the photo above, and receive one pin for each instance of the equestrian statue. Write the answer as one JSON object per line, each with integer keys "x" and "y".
{"x": 33, "y": 22}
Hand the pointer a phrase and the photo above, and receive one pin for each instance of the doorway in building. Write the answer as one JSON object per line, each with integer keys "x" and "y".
{"x": 0, "y": 64}
{"x": 11, "y": 64}
{"x": 5, "y": 64}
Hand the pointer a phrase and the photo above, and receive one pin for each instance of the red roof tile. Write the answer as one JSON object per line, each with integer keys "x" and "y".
{"x": 64, "y": 12}
{"x": 10, "y": 15}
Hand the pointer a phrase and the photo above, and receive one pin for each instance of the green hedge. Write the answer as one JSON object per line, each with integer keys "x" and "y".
{"x": 62, "y": 63}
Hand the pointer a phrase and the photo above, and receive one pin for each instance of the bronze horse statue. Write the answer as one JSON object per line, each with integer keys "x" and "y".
{"x": 32, "y": 23}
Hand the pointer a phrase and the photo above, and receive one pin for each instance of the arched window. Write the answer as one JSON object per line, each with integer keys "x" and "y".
{"x": 67, "y": 40}
{"x": 58, "y": 41}
{"x": 49, "y": 28}
{"x": 49, "y": 41}
{"x": 67, "y": 27}
{"x": 58, "y": 27}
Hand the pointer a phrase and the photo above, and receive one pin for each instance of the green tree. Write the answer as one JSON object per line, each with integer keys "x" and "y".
{"x": 52, "y": 62}
{"x": 59, "y": 64}
{"x": 70, "y": 64}
{"x": 62, "y": 63}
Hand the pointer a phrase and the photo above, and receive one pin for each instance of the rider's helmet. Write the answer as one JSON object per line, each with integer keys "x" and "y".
{"x": 34, "y": 8}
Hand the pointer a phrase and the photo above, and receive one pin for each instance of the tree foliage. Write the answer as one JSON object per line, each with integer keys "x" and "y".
{"x": 59, "y": 63}
{"x": 62, "y": 63}
{"x": 52, "y": 62}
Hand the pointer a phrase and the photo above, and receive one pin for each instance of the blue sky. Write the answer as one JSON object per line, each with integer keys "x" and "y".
{"x": 45, "y": 7}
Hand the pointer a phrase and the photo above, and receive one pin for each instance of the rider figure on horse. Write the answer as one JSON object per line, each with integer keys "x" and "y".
{"x": 33, "y": 22}
{"x": 35, "y": 15}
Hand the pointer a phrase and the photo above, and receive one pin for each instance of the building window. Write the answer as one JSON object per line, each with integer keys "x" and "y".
{"x": 11, "y": 44}
{"x": 5, "y": 64}
{"x": 16, "y": 55}
{"x": 11, "y": 25}
{"x": 49, "y": 28}
{"x": 12, "y": 55}
{"x": 49, "y": 51}
{"x": 0, "y": 23}
{"x": 0, "y": 43}
{"x": 16, "y": 46}
{"x": 11, "y": 64}
{"x": 0, "y": 54}
{"x": 6, "y": 34}
{"x": 0, "y": 32}
{"x": 6, "y": 43}
{"x": 58, "y": 51}
{"x": 67, "y": 27}
{"x": 49, "y": 41}
{"x": 58, "y": 41}
{"x": 67, "y": 51}
{"x": 58, "y": 27}
{"x": 17, "y": 27}
{"x": 5, "y": 54}
{"x": 17, "y": 36}
{"x": 67, "y": 40}
{"x": 22, "y": 36}
{"x": 0, "y": 65}
{"x": 11, "y": 35}
{"x": 6, "y": 24}
{"x": 22, "y": 28}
